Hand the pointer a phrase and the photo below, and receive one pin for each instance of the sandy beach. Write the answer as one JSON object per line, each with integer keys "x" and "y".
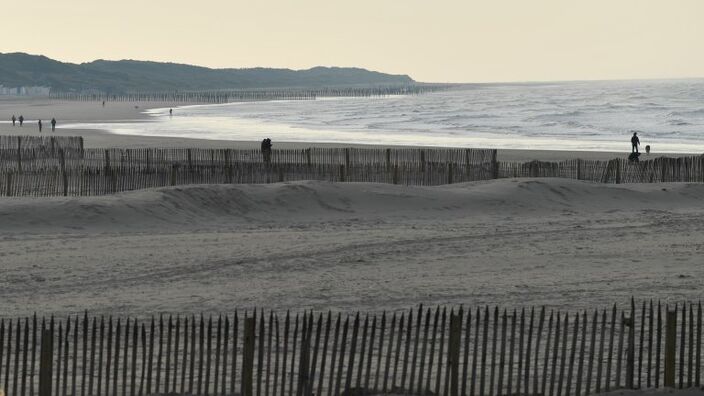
{"x": 85, "y": 112}
{"x": 560, "y": 243}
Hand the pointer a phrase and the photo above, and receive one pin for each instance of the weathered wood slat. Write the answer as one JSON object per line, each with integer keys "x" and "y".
{"x": 357, "y": 357}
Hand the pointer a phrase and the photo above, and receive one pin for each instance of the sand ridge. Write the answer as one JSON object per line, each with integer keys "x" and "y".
{"x": 564, "y": 243}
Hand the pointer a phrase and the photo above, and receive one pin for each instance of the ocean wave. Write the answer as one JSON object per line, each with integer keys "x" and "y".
{"x": 662, "y": 113}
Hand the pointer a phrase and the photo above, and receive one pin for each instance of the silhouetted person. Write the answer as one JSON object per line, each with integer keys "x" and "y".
{"x": 171, "y": 112}
{"x": 21, "y": 119}
{"x": 13, "y": 120}
{"x": 53, "y": 124}
{"x": 647, "y": 149}
{"x": 103, "y": 103}
{"x": 266, "y": 150}
{"x": 40, "y": 126}
{"x": 635, "y": 142}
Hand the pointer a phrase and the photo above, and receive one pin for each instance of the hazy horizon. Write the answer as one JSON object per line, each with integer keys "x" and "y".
{"x": 447, "y": 41}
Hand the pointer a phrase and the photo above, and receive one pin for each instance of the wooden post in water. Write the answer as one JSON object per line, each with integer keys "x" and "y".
{"x": 46, "y": 362}
{"x": 248, "y": 357}
{"x": 453, "y": 351}
{"x": 670, "y": 347}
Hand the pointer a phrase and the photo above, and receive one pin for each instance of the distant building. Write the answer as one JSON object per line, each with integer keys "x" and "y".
{"x": 24, "y": 91}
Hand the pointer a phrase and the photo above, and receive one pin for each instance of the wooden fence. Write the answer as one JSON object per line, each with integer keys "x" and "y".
{"x": 38, "y": 172}
{"x": 440, "y": 351}
{"x": 663, "y": 169}
{"x": 247, "y": 95}
{"x": 56, "y": 166}
{"x": 47, "y": 145}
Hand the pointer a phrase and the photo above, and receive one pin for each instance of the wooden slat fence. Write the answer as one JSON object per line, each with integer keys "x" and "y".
{"x": 33, "y": 172}
{"x": 60, "y": 166}
{"x": 662, "y": 169}
{"x": 40, "y": 143}
{"x": 438, "y": 350}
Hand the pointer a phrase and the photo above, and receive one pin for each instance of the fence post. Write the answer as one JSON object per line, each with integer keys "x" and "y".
{"x": 46, "y": 362}
{"x": 670, "y": 347}
{"x": 228, "y": 166}
{"x": 173, "y": 174}
{"x": 579, "y": 169}
{"x": 8, "y": 192}
{"x": 248, "y": 358}
{"x": 64, "y": 177}
{"x": 617, "y": 161}
{"x": 107, "y": 160}
{"x": 494, "y": 165}
{"x": 449, "y": 173}
{"x": 630, "y": 350}
{"x": 19, "y": 154}
{"x": 454, "y": 352}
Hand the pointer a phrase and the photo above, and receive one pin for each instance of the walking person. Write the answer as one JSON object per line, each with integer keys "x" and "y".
{"x": 635, "y": 142}
{"x": 40, "y": 126}
{"x": 53, "y": 124}
{"x": 13, "y": 120}
{"x": 21, "y": 119}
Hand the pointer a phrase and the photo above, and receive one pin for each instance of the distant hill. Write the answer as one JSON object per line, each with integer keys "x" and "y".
{"x": 20, "y": 69}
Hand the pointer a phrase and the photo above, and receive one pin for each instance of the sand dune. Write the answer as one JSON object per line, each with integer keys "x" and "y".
{"x": 286, "y": 204}
{"x": 319, "y": 245}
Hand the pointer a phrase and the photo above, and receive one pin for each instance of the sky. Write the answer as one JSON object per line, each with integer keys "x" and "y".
{"x": 430, "y": 40}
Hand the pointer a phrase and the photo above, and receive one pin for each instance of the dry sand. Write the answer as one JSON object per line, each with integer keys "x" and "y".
{"x": 67, "y": 112}
{"x": 562, "y": 243}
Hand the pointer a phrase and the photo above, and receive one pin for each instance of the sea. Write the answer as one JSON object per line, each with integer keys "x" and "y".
{"x": 668, "y": 115}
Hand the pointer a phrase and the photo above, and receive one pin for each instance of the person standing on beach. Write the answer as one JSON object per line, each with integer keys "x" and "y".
{"x": 13, "y": 120}
{"x": 53, "y": 124}
{"x": 266, "y": 150}
{"x": 40, "y": 126}
{"x": 635, "y": 142}
{"x": 171, "y": 112}
{"x": 21, "y": 119}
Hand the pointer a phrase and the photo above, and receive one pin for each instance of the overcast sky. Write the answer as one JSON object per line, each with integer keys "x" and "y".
{"x": 431, "y": 40}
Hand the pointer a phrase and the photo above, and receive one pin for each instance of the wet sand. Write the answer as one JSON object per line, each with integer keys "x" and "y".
{"x": 68, "y": 112}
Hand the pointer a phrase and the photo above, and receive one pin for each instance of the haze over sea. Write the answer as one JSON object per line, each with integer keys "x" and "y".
{"x": 590, "y": 116}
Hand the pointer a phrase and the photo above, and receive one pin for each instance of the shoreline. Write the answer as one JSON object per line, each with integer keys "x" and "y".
{"x": 69, "y": 112}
